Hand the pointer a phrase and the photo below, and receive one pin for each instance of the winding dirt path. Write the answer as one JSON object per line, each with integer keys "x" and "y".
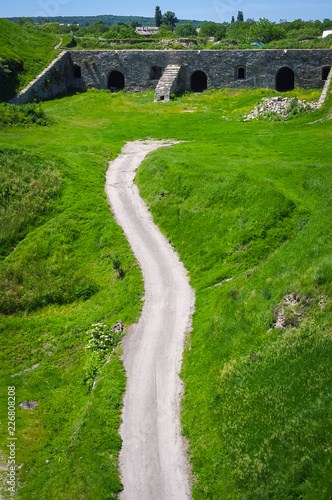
{"x": 59, "y": 44}
{"x": 153, "y": 458}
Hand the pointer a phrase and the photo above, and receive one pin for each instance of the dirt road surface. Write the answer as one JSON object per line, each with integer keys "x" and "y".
{"x": 59, "y": 44}
{"x": 153, "y": 459}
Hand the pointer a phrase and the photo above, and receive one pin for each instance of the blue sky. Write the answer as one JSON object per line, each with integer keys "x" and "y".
{"x": 212, "y": 10}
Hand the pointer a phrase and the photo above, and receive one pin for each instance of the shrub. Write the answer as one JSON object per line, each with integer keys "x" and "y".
{"x": 101, "y": 338}
{"x": 185, "y": 30}
{"x": 24, "y": 115}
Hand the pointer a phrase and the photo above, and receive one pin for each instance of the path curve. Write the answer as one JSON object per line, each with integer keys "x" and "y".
{"x": 59, "y": 44}
{"x": 153, "y": 459}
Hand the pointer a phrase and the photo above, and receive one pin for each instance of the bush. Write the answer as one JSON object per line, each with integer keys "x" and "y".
{"x": 101, "y": 338}
{"x": 24, "y": 115}
{"x": 186, "y": 30}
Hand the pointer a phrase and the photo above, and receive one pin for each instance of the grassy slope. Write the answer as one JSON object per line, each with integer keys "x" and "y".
{"x": 65, "y": 258}
{"x": 35, "y": 49}
{"x": 257, "y": 403}
{"x": 239, "y": 199}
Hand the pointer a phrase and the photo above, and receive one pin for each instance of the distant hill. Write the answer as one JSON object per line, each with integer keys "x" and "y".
{"x": 107, "y": 19}
{"x": 24, "y": 54}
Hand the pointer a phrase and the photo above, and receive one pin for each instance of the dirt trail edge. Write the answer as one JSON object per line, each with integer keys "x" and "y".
{"x": 153, "y": 459}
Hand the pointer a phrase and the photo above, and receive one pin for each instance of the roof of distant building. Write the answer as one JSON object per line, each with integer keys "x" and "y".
{"x": 147, "y": 30}
{"x": 258, "y": 44}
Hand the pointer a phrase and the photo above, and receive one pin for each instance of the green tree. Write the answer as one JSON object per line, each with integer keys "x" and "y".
{"x": 213, "y": 29}
{"x": 98, "y": 28}
{"x": 233, "y": 19}
{"x": 185, "y": 30}
{"x": 120, "y": 32}
{"x": 310, "y": 32}
{"x": 297, "y": 24}
{"x": 158, "y": 17}
{"x": 327, "y": 24}
{"x": 52, "y": 28}
{"x": 239, "y": 31}
{"x": 165, "y": 31}
{"x": 240, "y": 16}
{"x": 220, "y": 31}
{"x": 25, "y": 21}
{"x": 170, "y": 19}
{"x": 127, "y": 32}
{"x": 265, "y": 31}
{"x": 207, "y": 29}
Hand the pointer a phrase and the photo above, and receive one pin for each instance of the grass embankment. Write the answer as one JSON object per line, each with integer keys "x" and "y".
{"x": 58, "y": 278}
{"x": 243, "y": 200}
{"x": 94, "y": 43}
{"x": 291, "y": 43}
{"x": 26, "y": 53}
{"x": 257, "y": 406}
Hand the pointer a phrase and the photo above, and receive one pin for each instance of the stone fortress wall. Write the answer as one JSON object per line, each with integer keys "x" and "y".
{"x": 140, "y": 70}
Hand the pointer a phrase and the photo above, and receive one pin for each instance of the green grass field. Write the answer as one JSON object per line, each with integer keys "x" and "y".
{"x": 247, "y": 206}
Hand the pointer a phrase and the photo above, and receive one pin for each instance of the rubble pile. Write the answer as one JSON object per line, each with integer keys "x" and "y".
{"x": 288, "y": 313}
{"x": 118, "y": 327}
{"x": 281, "y": 106}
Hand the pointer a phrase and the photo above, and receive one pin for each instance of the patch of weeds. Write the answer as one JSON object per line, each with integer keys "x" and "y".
{"x": 24, "y": 115}
{"x": 95, "y": 361}
{"x": 102, "y": 340}
{"x": 267, "y": 293}
{"x": 86, "y": 291}
{"x": 118, "y": 267}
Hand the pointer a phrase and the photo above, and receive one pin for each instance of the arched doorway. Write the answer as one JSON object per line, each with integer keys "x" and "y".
{"x": 325, "y": 72}
{"x": 116, "y": 80}
{"x": 198, "y": 81}
{"x": 155, "y": 72}
{"x": 285, "y": 79}
{"x": 77, "y": 71}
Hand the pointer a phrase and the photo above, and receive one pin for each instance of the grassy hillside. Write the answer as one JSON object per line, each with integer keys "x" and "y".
{"x": 26, "y": 53}
{"x": 251, "y": 223}
{"x": 247, "y": 206}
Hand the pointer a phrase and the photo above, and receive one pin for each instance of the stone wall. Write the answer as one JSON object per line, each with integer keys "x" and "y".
{"x": 86, "y": 69}
{"x": 220, "y": 67}
{"x": 54, "y": 80}
{"x": 323, "y": 96}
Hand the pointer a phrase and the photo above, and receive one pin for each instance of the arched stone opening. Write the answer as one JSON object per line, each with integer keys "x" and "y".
{"x": 77, "y": 71}
{"x": 325, "y": 72}
{"x": 155, "y": 72}
{"x": 116, "y": 80}
{"x": 241, "y": 73}
{"x": 198, "y": 81}
{"x": 285, "y": 79}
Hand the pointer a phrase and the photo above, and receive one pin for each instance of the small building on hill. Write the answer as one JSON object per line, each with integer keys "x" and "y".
{"x": 147, "y": 30}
